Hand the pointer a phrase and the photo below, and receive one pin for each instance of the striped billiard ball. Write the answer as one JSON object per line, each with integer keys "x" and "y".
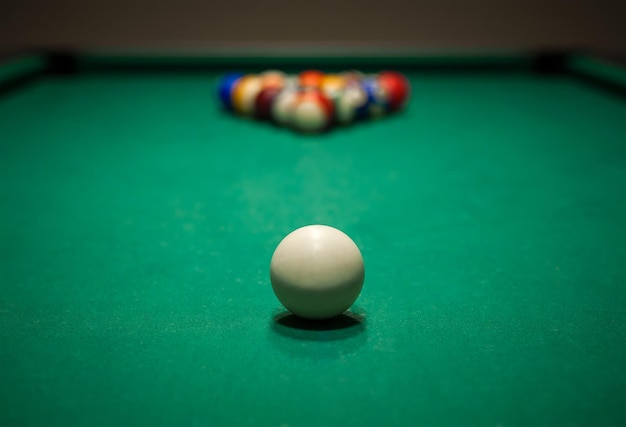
{"x": 332, "y": 85}
{"x": 349, "y": 101}
{"x": 312, "y": 112}
{"x": 377, "y": 103}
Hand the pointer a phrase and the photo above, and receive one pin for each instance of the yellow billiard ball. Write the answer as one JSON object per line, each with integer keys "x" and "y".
{"x": 245, "y": 93}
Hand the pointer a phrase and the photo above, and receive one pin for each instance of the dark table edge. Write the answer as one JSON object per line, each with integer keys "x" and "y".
{"x": 587, "y": 67}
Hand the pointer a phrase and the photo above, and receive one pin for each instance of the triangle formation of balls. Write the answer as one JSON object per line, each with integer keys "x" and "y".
{"x": 313, "y": 101}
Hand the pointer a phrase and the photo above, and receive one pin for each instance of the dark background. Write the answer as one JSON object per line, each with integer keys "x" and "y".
{"x": 423, "y": 25}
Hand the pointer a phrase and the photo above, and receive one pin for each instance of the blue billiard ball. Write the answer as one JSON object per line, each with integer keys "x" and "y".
{"x": 225, "y": 89}
{"x": 377, "y": 103}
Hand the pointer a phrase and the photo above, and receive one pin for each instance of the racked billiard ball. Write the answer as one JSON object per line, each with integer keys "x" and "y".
{"x": 244, "y": 94}
{"x": 282, "y": 106}
{"x": 353, "y": 76}
{"x": 312, "y": 111}
{"x": 349, "y": 101}
{"x": 272, "y": 78}
{"x": 317, "y": 272}
{"x": 310, "y": 78}
{"x": 264, "y": 101}
{"x": 397, "y": 88}
{"x": 332, "y": 85}
{"x": 377, "y": 99}
{"x": 225, "y": 88}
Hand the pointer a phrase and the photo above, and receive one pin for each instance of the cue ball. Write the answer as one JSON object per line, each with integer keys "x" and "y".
{"x": 317, "y": 272}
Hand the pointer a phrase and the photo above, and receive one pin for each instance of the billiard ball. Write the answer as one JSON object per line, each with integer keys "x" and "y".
{"x": 272, "y": 78}
{"x": 332, "y": 85}
{"x": 264, "y": 102}
{"x": 349, "y": 101}
{"x": 397, "y": 88}
{"x": 225, "y": 89}
{"x": 317, "y": 272}
{"x": 353, "y": 76}
{"x": 310, "y": 78}
{"x": 282, "y": 107}
{"x": 377, "y": 103}
{"x": 291, "y": 82}
{"x": 312, "y": 111}
{"x": 245, "y": 93}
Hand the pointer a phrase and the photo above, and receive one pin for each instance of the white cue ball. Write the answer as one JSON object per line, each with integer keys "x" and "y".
{"x": 317, "y": 272}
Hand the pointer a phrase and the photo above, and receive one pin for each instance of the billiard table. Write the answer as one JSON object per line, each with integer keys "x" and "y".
{"x": 138, "y": 219}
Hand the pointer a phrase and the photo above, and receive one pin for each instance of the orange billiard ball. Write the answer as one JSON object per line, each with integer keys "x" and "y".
{"x": 310, "y": 78}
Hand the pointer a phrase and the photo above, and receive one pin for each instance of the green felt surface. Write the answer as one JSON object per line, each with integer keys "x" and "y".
{"x": 137, "y": 222}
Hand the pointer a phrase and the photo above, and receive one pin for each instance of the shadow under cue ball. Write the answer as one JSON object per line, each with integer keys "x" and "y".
{"x": 317, "y": 272}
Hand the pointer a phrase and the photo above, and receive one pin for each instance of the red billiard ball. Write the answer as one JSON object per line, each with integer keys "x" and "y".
{"x": 264, "y": 102}
{"x": 312, "y": 111}
{"x": 397, "y": 88}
